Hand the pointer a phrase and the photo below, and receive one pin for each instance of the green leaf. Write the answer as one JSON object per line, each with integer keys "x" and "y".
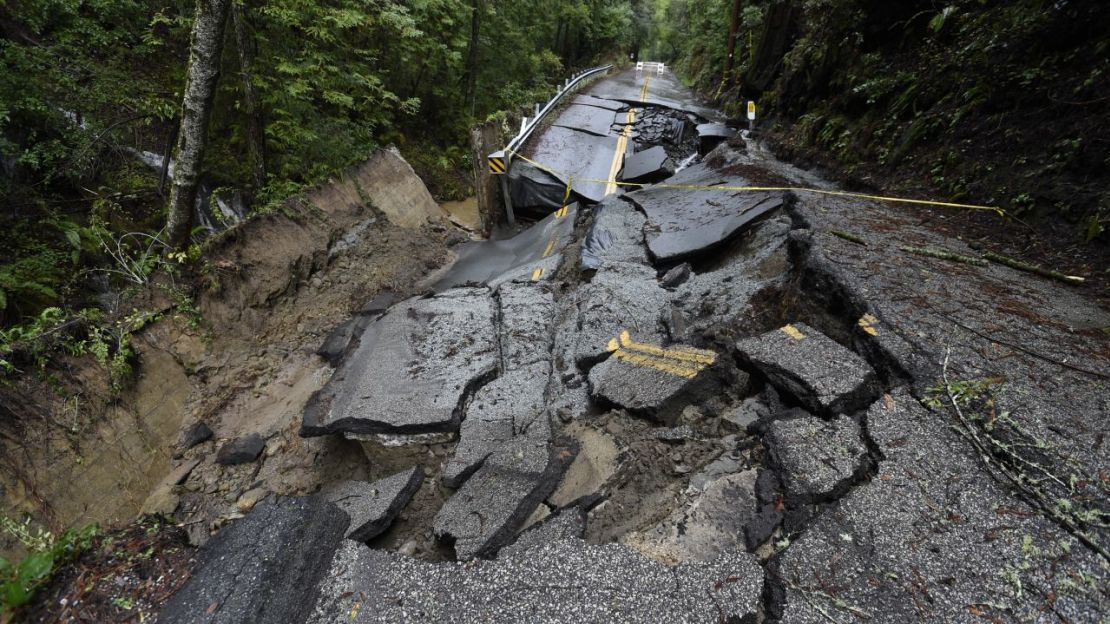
{"x": 35, "y": 567}
{"x": 5, "y": 567}
{"x": 14, "y": 594}
{"x": 74, "y": 238}
{"x": 3, "y": 299}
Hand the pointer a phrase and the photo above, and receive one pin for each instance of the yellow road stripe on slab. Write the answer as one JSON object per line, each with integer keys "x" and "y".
{"x": 677, "y": 369}
{"x": 690, "y": 354}
{"x": 868, "y": 322}
{"x": 537, "y": 274}
{"x": 550, "y": 247}
{"x": 618, "y": 154}
{"x": 793, "y": 332}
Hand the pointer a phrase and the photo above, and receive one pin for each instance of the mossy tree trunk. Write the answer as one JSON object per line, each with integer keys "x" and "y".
{"x": 205, "y": 51}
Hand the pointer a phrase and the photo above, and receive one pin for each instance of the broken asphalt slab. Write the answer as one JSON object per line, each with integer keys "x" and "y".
{"x": 647, "y": 166}
{"x": 247, "y": 573}
{"x": 684, "y": 223}
{"x": 659, "y": 382}
{"x": 501, "y": 410}
{"x": 557, "y": 581}
{"x": 591, "y": 119}
{"x": 575, "y": 156}
{"x": 492, "y": 262}
{"x": 413, "y": 370}
{"x": 818, "y": 460}
{"x": 616, "y": 235}
{"x": 819, "y": 373}
{"x": 492, "y": 505}
{"x": 372, "y": 507}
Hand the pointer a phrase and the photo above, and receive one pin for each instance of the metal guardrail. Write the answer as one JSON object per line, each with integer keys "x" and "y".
{"x": 500, "y": 161}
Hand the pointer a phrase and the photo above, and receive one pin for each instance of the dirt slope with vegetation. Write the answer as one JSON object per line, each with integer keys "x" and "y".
{"x": 997, "y": 103}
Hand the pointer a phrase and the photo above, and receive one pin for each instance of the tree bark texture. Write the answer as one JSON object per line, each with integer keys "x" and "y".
{"x": 777, "y": 34}
{"x": 733, "y": 28}
{"x": 472, "y": 55}
{"x": 205, "y": 50}
{"x": 256, "y": 128}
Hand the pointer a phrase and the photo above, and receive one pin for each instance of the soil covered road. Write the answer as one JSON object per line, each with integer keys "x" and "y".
{"x": 690, "y": 404}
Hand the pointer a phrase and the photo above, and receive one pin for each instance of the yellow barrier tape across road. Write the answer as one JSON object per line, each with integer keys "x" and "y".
{"x": 792, "y": 189}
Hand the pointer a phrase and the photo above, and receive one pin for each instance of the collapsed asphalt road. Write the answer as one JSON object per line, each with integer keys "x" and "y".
{"x": 702, "y": 406}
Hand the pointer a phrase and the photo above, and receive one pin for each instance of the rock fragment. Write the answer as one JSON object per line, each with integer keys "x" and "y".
{"x": 817, "y": 459}
{"x": 676, "y": 276}
{"x": 197, "y": 433}
{"x": 821, "y": 374}
{"x": 241, "y": 450}
{"x": 372, "y": 507}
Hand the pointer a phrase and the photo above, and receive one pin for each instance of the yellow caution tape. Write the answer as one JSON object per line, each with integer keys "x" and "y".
{"x": 792, "y": 189}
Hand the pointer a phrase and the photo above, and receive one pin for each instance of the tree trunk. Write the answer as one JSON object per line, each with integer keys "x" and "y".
{"x": 472, "y": 55}
{"x": 777, "y": 33}
{"x": 733, "y": 28}
{"x": 256, "y": 128}
{"x": 196, "y": 109}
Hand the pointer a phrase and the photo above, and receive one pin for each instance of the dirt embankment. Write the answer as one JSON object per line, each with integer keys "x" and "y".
{"x": 243, "y": 362}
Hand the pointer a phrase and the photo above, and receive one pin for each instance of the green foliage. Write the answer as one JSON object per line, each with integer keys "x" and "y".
{"x": 19, "y": 581}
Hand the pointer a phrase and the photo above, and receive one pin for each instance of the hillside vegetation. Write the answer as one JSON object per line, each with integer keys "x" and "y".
{"x": 1003, "y": 103}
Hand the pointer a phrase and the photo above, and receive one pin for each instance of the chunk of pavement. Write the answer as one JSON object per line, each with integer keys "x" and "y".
{"x": 372, "y": 507}
{"x": 499, "y": 411}
{"x": 656, "y": 386}
{"x": 676, "y": 276}
{"x": 621, "y": 296}
{"x": 616, "y": 235}
{"x": 821, "y": 374}
{"x": 711, "y": 135}
{"x": 649, "y": 165}
{"x": 934, "y": 518}
{"x": 488, "y": 510}
{"x": 527, "y": 310}
{"x": 413, "y": 369}
{"x": 817, "y": 459}
{"x": 713, "y": 522}
{"x": 675, "y": 435}
{"x": 568, "y": 524}
{"x": 563, "y": 580}
{"x": 241, "y": 450}
{"x": 197, "y": 433}
{"x": 681, "y": 224}
{"x": 246, "y": 574}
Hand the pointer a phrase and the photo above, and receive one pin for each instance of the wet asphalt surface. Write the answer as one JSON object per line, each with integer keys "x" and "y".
{"x": 703, "y": 406}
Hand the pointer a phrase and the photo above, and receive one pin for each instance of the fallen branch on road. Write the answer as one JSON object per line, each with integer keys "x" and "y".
{"x": 944, "y": 255}
{"x": 1032, "y": 268}
{"x": 852, "y": 238}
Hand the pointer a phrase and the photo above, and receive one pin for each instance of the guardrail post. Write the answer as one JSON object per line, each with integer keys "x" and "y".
{"x": 509, "y": 215}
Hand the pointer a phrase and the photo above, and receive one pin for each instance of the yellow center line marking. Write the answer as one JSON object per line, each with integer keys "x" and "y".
{"x": 537, "y": 274}
{"x": 673, "y": 368}
{"x": 698, "y": 356}
{"x": 793, "y": 332}
{"x": 549, "y": 249}
{"x": 868, "y": 322}
{"x": 611, "y": 184}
